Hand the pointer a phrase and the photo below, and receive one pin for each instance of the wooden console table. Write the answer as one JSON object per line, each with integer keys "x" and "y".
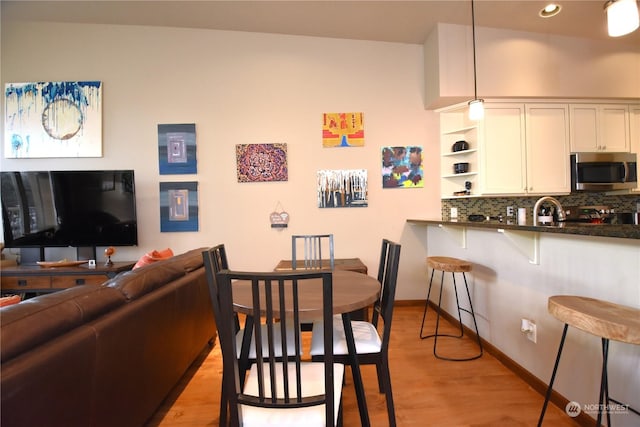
{"x": 33, "y": 278}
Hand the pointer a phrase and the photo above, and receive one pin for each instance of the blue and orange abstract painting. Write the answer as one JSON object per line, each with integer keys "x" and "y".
{"x": 402, "y": 167}
{"x": 53, "y": 119}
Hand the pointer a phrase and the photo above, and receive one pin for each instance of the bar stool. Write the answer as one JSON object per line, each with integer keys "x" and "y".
{"x": 603, "y": 319}
{"x": 452, "y": 265}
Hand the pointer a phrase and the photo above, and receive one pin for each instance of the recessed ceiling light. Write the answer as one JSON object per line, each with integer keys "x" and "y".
{"x": 550, "y": 10}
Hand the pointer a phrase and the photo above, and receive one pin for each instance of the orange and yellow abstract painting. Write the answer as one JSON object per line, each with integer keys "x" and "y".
{"x": 342, "y": 130}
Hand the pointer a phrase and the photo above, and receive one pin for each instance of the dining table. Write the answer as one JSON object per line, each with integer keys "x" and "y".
{"x": 349, "y": 264}
{"x": 352, "y": 291}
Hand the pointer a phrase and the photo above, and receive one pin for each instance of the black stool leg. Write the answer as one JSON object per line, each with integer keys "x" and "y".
{"x": 604, "y": 386}
{"x": 553, "y": 375}
{"x": 426, "y": 304}
{"x": 473, "y": 314}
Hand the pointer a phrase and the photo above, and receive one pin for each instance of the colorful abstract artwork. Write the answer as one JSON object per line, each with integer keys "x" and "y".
{"x": 177, "y": 149}
{"x": 178, "y": 206}
{"x": 342, "y": 188}
{"x": 262, "y": 162}
{"x": 53, "y": 119}
{"x": 342, "y": 130}
{"x": 402, "y": 167}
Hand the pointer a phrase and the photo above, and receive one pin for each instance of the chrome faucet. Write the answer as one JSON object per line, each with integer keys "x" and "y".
{"x": 559, "y": 209}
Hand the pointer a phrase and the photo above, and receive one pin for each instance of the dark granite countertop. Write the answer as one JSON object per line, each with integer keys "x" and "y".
{"x": 624, "y": 231}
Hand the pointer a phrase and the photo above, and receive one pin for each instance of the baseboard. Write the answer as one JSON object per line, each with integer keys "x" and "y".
{"x": 534, "y": 382}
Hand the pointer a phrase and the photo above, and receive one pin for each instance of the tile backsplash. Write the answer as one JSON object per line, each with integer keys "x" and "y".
{"x": 494, "y": 206}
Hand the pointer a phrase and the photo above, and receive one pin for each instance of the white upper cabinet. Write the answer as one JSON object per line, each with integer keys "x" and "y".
{"x": 517, "y": 149}
{"x": 599, "y": 127}
{"x": 634, "y": 132}
{"x": 503, "y": 162}
{"x": 547, "y": 140}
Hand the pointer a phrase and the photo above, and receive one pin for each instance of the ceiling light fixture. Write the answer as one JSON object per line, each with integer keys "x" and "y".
{"x": 476, "y": 107}
{"x": 622, "y": 17}
{"x": 550, "y": 10}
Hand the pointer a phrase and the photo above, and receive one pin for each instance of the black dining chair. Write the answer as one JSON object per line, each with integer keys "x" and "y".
{"x": 312, "y": 246}
{"x": 372, "y": 346}
{"x": 215, "y": 260}
{"x": 284, "y": 391}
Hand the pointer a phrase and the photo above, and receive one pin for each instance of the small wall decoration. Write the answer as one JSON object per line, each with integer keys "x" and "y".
{"x": 342, "y": 130}
{"x": 402, "y": 167}
{"x": 53, "y": 119}
{"x": 177, "y": 149}
{"x": 342, "y": 188}
{"x": 179, "y": 206}
{"x": 279, "y": 218}
{"x": 262, "y": 162}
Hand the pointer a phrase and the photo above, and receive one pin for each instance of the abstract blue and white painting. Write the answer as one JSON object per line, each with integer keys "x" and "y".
{"x": 177, "y": 149}
{"x": 179, "y": 206}
{"x": 53, "y": 119}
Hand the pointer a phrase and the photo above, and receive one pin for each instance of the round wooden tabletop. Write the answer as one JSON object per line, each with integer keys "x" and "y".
{"x": 601, "y": 318}
{"x": 351, "y": 291}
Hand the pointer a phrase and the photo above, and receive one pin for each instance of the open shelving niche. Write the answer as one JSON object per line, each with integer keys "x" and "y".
{"x": 456, "y": 126}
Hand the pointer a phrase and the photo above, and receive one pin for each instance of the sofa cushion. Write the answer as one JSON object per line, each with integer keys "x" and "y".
{"x": 135, "y": 283}
{"x": 36, "y": 320}
{"x": 190, "y": 260}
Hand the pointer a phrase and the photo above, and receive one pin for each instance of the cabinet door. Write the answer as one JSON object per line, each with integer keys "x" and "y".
{"x": 547, "y": 141}
{"x": 502, "y": 149}
{"x": 584, "y": 127}
{"x": 614, "y": 128}
{"x": 599, "y": 127}
{"x": 634, "y": 132}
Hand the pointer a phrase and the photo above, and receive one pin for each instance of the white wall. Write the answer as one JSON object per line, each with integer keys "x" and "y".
{"x": 526, "y": 64}
{"x": 241, "y": 88}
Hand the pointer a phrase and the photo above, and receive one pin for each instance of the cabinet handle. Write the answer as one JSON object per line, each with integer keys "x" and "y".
{"x": 79, "y": 281}
{"x": 22, "y": 282}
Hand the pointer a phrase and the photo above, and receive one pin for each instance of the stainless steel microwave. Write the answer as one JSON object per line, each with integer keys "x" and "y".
{"x": 603, "y": 171}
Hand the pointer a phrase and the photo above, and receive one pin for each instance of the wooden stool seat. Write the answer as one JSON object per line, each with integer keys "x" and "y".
{"x": 448, "y": 264}
{"x": 606, "y": 320}
{"x": 600, "y": 318}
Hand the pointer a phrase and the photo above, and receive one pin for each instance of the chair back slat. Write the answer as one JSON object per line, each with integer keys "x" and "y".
{"x": 275, "y": 306}
{"x": 388, "y": 291}
{"x": 312, "y": 250}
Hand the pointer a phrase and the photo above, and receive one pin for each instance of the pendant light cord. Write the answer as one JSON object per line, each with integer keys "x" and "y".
{"x": 473, "y": 36}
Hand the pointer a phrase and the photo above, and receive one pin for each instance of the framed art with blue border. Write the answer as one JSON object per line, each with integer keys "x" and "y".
{"x": 178, "y": 206}
{"x": 177, "y": 149}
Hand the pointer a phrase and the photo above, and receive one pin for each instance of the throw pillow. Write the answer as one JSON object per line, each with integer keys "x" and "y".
{"x": 153, "y": 256}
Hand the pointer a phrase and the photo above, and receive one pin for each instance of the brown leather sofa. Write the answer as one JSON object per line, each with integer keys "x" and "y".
{"x": 104, "y": 355}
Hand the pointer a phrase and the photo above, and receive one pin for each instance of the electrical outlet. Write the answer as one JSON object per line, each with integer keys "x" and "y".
{"x": 532, "y": 335}
{"x": 528, "y": 327}
{"x": 509, "y": 210}
{"x": 454, "y": 213}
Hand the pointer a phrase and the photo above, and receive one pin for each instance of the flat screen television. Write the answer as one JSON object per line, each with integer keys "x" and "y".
{"x": 69, "y": 208}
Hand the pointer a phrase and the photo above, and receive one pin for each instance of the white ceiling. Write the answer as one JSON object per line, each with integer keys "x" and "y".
{"x": 392, "y": 21}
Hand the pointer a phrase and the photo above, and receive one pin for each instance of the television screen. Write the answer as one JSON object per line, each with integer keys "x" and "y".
{"x": 69, "y": 208}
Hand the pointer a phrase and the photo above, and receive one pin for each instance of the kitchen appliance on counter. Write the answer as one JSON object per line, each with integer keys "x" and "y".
{"x": 603, "y": 171}
{"x": 599, "y": 214}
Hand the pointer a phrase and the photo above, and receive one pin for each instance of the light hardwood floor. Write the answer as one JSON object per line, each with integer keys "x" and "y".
{"x": 427, "y": 391}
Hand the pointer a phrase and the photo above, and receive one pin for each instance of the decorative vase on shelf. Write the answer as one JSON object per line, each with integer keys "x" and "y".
{"x": 108, "y": 252}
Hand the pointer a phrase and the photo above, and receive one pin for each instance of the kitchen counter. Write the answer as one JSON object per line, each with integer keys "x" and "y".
{"x": 624, "y": 231}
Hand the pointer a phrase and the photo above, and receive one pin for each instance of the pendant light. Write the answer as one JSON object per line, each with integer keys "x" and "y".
{"x": 622, "y": 17}
{"x": 476, "y": 107}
